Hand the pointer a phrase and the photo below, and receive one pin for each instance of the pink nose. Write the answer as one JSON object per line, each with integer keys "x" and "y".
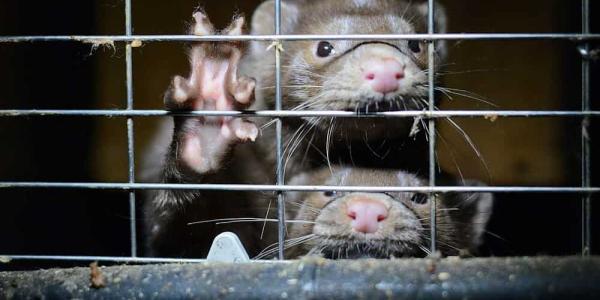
{"x": 384, "y": 74}
{"x": 366, "y": 214}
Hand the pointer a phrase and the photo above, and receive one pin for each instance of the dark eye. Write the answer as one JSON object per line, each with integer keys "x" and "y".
{"x": 414, "y": 46}
{"x": 325, "y": 49}
{"x": 419, "y": 198}
{"x": 329, "y": 193}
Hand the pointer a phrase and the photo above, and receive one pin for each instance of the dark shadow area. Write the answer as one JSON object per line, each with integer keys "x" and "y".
{"x": 52, "y": 76}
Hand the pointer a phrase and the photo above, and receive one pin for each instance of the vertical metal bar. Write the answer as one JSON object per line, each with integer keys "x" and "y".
{"x": 278, "y": 106}
{"x": 585, "y": 141}
{"x": 431, "y": 132}
{"x": 130, "y": 134}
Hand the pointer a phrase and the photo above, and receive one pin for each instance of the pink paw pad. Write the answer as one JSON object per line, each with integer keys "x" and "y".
{"x": 213, "y": 84}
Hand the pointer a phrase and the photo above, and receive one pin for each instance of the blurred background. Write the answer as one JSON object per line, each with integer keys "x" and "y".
{"x": 523, "y": 75}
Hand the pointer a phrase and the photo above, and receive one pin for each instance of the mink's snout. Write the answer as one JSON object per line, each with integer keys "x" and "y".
{"x": 366, "y": 213}
{"x": 383, "y": 74}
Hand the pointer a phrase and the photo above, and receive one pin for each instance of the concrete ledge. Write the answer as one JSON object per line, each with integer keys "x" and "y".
{"x": 313, "y": 278}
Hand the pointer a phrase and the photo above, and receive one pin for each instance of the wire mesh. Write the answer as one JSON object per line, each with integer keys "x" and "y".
{"x": 278, "y": 137}
{"x": 431, "y": 127}
{"x": 279, "y": 114}
{"x": 130, "y": 131}
{"x": 92, "y": 39}
{"x": 585, "y": 140}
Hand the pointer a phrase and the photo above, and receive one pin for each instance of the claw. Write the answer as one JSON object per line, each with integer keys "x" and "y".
{"x": 243, "y": 90}
{"x": 244, "y": 130}
{"x": 181, "y": 89}
{"x": 236, "y": 27}
{"x": 239, "y": 130}
{"x": 203, "y": 25}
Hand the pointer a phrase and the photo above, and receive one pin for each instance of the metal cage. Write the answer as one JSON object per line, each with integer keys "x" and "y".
{"x": 585, "y": 190}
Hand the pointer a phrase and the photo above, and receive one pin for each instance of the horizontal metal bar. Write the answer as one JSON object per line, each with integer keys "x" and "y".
{"x": 300, "y": 113}
{"x": 313, "y": 278}
{"x": 107, "y": 39}
{"x": 114, "y": 259}
{"x": 292, "y": 188}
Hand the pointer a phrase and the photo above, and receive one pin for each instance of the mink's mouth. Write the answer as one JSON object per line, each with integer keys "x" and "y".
{"x": 380, "y": 105}
{"x": 341, "y": 253}
{"x": 375, "y": 249}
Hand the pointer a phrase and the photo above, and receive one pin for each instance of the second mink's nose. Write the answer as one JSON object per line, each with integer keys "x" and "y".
{"x": 366, "y": 214}
{"x": 383, "y": 75}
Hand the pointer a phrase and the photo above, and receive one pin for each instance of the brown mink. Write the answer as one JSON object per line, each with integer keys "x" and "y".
{"x": 381, "y": 225}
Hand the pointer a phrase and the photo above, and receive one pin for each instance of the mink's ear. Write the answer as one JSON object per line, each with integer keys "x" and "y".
{"x": 472, "y": 213}
{"x": 299, "y": 179}
{"x": 263, "y": 20}
{"x": 440, "y": 22}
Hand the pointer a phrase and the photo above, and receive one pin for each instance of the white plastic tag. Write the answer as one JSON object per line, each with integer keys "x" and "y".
{"x": 227, "y": 247}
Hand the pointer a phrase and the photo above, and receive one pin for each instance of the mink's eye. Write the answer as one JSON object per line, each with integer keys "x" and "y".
{"x": 414, "y": 46}
{"x": 419, "y": 198}
{"x": 329, "y": 194}
{"x": 325, "y": 49}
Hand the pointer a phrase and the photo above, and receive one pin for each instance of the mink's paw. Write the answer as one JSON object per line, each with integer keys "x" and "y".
{"x": 213, "y": 84}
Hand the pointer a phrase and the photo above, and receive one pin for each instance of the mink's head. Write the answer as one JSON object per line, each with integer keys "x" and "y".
{"x": 381, "y": 225}
{"x": 365, "y": 76}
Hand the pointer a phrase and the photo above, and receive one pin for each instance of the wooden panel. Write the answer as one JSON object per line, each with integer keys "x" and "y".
{"x": 511, "y": 75}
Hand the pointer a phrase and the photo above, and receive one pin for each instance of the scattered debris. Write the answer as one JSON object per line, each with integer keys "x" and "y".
{"x": 585, "y": 125}
{"x": 492, "y": 118}
{"x": 443, "y": 276}
{"x": 588, "y": 54}
{"x": 104, "y": 43}
{"x": 415, "y": 127}
{"x": 431, "y": 266}
{"x": 136, "y": 43}
{"x": 96, "y": 277}
{"x": 276, "y": 44}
